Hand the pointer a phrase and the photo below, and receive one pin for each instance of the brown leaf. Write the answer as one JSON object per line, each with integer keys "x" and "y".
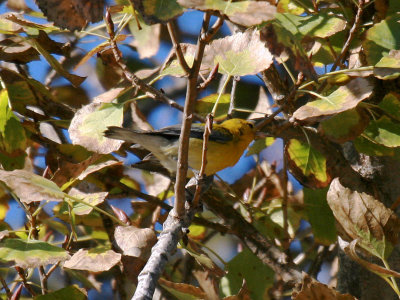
{"x": 208, "y": 284}
{"x": 96, "y": 260}
{"x": 350, "y": 250}
{"x": 136, "y": 242}
{"x": 183, "y": 288}
{"x": 14, "y": 49}
{"x": 356, "y": 211}
{"x": 72, "y": 14}
{"x": 30, "y": 187}
{"x": 310, "y": 289}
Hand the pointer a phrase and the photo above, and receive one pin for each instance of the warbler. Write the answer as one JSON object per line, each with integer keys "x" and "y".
{"x": 226, "y": 143}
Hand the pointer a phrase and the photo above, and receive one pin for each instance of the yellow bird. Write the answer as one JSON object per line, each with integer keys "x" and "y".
{"x": 226, "y": 143}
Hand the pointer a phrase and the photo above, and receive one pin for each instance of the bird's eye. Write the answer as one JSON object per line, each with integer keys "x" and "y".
{"x": 251, "y": 125}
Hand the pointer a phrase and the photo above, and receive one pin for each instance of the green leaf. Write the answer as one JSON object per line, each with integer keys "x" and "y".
{"x": 205, "y": 105}
{"x": 158, "y": 11}
{"x": 31, "y": 254}
{"x": 245, "y": 13}
{"x": 89, "y": 123}
{"x": 91, "y": 198}
{"x": 74, "y": 79}
{"x": 12, "y": 137}
{"x": 378, "y": 247}
{"x": 19, "y": 90}
{"x": 30, "y": 187}
{"x": 381, "y": 38}
{"x": 320, "y": 216}
{"x": 388, "y": 67}
{"x": 67, "y": 293}
{"x": 390, "y": 104}
{"x": 369, "y": 147}
{"x": 352, "y": 124}
{"x": 384, "y": 132}
{"x": 307, "y": 164}
{"x": 247, "y": 266}
{"x": 259, "y": 145}
{"x": 239, "y": 54}
{"x": 321, "y": 25}
{"x": 290, "y": 6}
{"x": 344, "y": 98}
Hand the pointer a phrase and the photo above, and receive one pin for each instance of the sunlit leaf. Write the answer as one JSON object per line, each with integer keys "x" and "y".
{"x": 239, "y": 54}
{"x": 135, "y": 241}
{"x": 307, "y": 164}
{"x": 31, "y": 254}
{"x": 89, "y": 123}
{"x": 344, "y": 98}
{"x": 389, "y": 66}
{"x": 91, "y": 198}
{"x": 205, "y": 105}
{"x": 30, "y": 187}
{"x": 245, "y": 13}
{"x": 94, "y": 260}
{"x": 384, "y": 131}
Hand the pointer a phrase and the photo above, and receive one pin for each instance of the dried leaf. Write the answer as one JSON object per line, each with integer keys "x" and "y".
{"x": 89, "y": 123}
{"x": 182, "y": 290}
{"x": 30, "y": 187}
{"x": 310, "y": 289}
{"x": 147, "y": 39}
{"x": 31, "y": 254}
{"x": 350, "y": 250}
{"x": 135, "y": 241}
{"x": 344, "y": 98}
{"x": 95, "y": 260}
{"x": 360, "y": 216}
{"x": 72, "y": 14}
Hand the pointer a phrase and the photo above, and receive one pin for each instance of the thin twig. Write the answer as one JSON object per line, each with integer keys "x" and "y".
{"x": 236, "y": 79}
{"x": 210, "y": 78}
{"x": 191, "y": 94}
{"x": 206, "y": 135}
{"x": 21, "y": 274}
{"x": 284, "y": 184}
{"x": 150, "y": 91}
{"x": 5, "y": 286}
{"x": 177, "y": 47}
{"x": 351, "y": 36}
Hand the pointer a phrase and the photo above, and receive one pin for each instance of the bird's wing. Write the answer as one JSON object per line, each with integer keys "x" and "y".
{"x": 197, "y": 131}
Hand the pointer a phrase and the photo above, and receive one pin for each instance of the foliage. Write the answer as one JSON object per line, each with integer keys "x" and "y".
{"x": 332, "y": 72}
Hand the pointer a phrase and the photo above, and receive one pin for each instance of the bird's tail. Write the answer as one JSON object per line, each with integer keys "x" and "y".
{"x": 124, "y": 134}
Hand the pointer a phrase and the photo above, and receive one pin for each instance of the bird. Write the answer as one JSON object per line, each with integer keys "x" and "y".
{"x": 226, "y": 144}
